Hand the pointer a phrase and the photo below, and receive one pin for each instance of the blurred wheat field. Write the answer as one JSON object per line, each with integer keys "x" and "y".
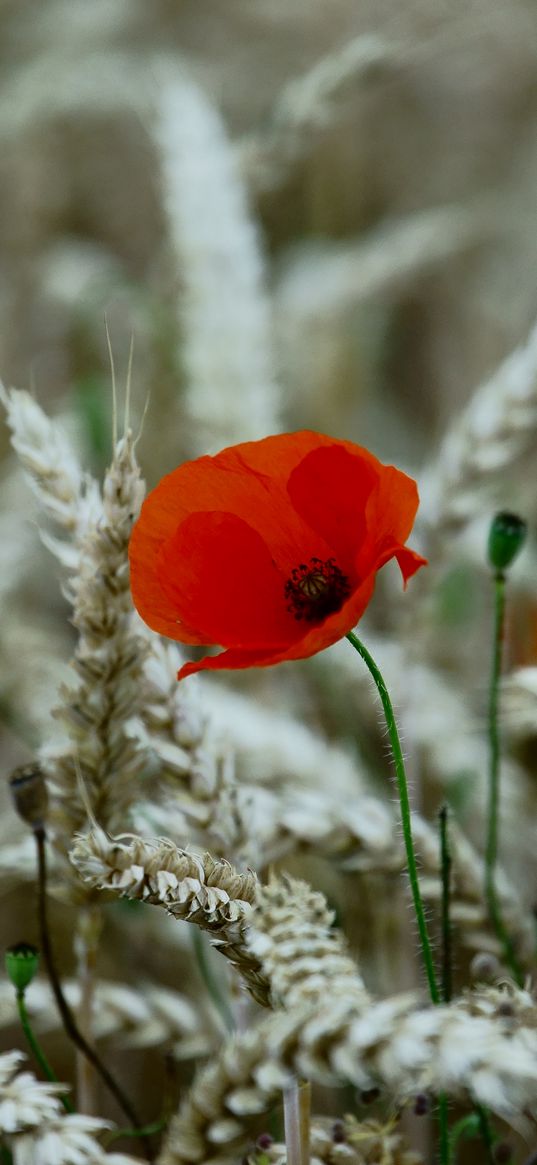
{"x": 267, "y": 216}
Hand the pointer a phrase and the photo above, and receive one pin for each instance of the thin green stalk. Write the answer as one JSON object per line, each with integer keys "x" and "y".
{"x": 406, "y": 821}
{"x": 37, "y": 1050}
{"x": 445, "y": 866}
{"x": 491, "y": 851}
{"x": 402, "y": 789}
{"x": 146, "y": 1130}
{"x": 6, "y": 1156}
{"x": 487, "y": 1135}
{"x": 446, "y": 981}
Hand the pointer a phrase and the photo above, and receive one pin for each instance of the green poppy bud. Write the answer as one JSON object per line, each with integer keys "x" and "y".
{"x": 21, "y": 962}
{"x": 506, "y": 539}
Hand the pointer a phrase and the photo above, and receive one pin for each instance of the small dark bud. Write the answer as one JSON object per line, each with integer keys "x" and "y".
{"x": 338, "y": 1133}
{"x": 21, "y": 962}
{"x": 264, "y": 1141}
{"x": 369, "y": 1095}
{"x": 29, "y": 792}
{"x": 502, "y": 1153}
{"x": 421, "y": 1104}
{"x": 506, "y": 539}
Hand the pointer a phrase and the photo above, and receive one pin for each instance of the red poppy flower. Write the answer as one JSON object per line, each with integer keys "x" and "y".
{"x": 270, "y": 549}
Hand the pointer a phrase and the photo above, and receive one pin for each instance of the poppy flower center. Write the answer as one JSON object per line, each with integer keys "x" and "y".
{"x": 316, "y": 590}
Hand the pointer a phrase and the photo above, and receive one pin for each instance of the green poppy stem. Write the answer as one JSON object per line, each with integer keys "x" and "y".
{"x": 37, "y": 1050}
{"x": 445, "y": 866}
{"x": 406, "y": 822}
{"x": 491, "y": 852}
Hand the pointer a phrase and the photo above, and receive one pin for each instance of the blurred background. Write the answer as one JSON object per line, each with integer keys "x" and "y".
{"x": 388, "y": 157}
{"x": 302, "y": 215}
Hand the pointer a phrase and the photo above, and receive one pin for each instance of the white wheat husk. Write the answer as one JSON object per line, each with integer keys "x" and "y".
{"x": 447, "y": 737}
{"x": 320, "y": 281}
{"x": 195, "y": 765}
{"x": 64, "y": 493}
{"x": 142, "y": 1016}
{"x": 329, "y": 1029}
{"x": 228, "y": 765}
{"x": 35, "y": 1127}
{"x": 519, "y": 704}
{"x": 231, "y": 392}
{"x": 495, "y": 432}
{"x": 191, "y": 886}
{"x": 107, "y": 688}
{"x": 311, "y": 102}
{"x": 93, "y": 745}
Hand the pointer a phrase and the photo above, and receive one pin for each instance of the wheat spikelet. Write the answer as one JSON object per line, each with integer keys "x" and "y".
{"x": 496, "y": 430}
{"x": 193, "y": 887}
{"x": 64, "y": 493}
{"x": 311, "y": 102}
{"x": 483, "y": 1045}
{"x": 231, "y": 392}
{"x": 108, "y": 663}
{"x": 195, "y": 765}
{"x": 141, "y": 1016}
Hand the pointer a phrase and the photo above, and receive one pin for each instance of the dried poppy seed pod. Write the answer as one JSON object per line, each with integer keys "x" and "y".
{"x": 21, "y": 962}
{"x": 506, "y": 538}
{"x": 29, "y": 792}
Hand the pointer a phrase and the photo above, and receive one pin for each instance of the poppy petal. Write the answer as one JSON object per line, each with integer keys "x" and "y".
{"x": 329, "y": 489}
{"x": 219, "y": 574}
{"x": 249, "y": 549}
{"x": 319, "y": 637}
{"x": 409, "y": 562}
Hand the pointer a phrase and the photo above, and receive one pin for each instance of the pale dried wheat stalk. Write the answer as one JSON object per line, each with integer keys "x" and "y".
{"x": 193, "y": 887}
{"x": 64, "y": 493}
{"x": 311, "y": 102}
{"x": 195, "y": 765}
{"x": 108, "y": 663}
{"x": 496, "y": 431}
{"x": 361, "y": 834}
{"x": 321, "y": 281}
{"x": 226, "y": 349}
{"x": 482, "y": 1046}
{"x": 142, "y": 1016}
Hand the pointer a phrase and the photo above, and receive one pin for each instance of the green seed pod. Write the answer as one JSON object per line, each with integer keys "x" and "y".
{"x": 506, "y": 539}
{"x": 21, "y": 963}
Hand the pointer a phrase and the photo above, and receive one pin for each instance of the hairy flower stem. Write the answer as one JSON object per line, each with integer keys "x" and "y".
{"x": 37, "y": 1050}
{"x": 445, "y": 866}
{"x": 406, "y": 822}
{"x": 296, "y": 1115}
{"x": 402, "y": 790}
{"x": 491, "y": 852}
